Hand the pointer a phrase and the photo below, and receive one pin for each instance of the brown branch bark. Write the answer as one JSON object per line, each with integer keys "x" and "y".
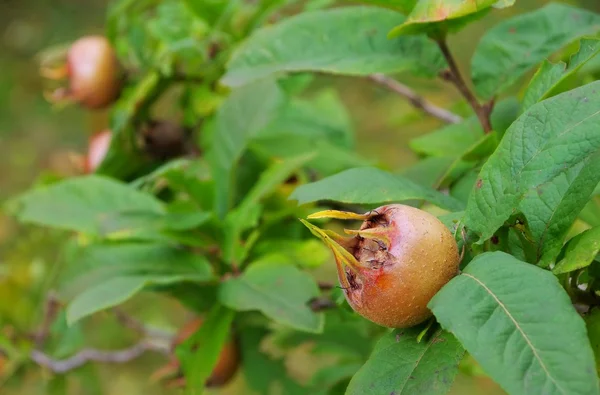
{"x": 415, "y": 99}
{"x": 453, "y": 75}
{"x": 84, "y": 356}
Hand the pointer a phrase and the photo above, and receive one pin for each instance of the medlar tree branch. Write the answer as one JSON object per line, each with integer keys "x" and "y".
{"x": 86, "y": 355}
{"x": 415, "y": 99}
{"x": 454, "y": 76}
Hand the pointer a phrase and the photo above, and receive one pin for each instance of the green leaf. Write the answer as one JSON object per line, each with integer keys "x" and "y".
{"x": 111, "y": 293}
{"x": 549, "y": 75}
{"x": 199, "y": 354}
{"x": 280, "y": 291}
{"x": 349, "y": 40}
{"x": 262, "y": 372}
{"x": 546, "y": 167}
{"x": 457, "y": 138}
{"x": 102, "y": 262}
{"x": 403, "y": 6}
{"x": 241, "y": 117}
{"x": 322, "y": 116}
{"x": 449, "y": 139}
{"x": 435, "y": 17}
{"x": 518, "y": 323}
{"x": 513, "y": 47}
{"x": 580, "y": 252}
{"x": 401, "y": 365}
{"x": 370, "y": 185}
{"x": 246, "y": 215}
{"x": 90, "y": 204}
{"x": 591, "y": 212}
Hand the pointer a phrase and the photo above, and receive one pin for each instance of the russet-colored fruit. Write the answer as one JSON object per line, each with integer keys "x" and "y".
{"x": 88, "y": 73}
{"x": 223, "y": 372}
{"x": 93, "y": 72}
{"x": 393, "y": 265}
{"x": 98, "y": 146}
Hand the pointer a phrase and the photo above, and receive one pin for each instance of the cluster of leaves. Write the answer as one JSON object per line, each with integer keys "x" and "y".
{"x": 219, "y": 232}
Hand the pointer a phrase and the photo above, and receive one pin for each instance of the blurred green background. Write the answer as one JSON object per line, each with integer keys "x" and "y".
{"x": 37, "y": 139}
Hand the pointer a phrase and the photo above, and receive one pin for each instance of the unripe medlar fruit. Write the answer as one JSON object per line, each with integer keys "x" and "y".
{"x": 224, "y": 370}
{"x": 93, "y": 72}
{"x": 98, "y": 146}
{"x": 394, "y": 264}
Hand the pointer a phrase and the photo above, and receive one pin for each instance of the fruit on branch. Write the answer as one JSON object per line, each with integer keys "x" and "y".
{"x": 393, "y": 265}
{"x": 164, "y": 139}
{"x": 223, "y": 372}
{"x": 92, "y": 70}
{"x": 98, "y": 146}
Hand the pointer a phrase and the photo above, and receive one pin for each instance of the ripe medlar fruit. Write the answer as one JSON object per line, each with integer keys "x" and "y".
{"x": 98, "y": 146}
{"x": 93, "y": 72}
{"x": 223, "y": 372}
{"x": 393, "y": 264}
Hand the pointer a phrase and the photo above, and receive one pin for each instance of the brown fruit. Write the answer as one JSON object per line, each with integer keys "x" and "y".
{"x": 93, "y": 71}
{"x": 98, "y": 146}
{"x": 224, "y": 370}
{"x": 164, "y": 139}
{"x": 394, "y": 264}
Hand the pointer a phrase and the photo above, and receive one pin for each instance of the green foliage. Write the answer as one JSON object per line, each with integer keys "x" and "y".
{"x": 268, "y": 137}
{"x": 548, "y": 177}
{"x": 402, "y": 365}
{"x": 280, "y": 291}
{"x": 350, "y": 41}
{"x": 437, "y": 17}
{"x": 550, "y": 75}
{"x": 370, "y": 186}
{"x": 511, "y": 48}
{"x": 494, "y": 309}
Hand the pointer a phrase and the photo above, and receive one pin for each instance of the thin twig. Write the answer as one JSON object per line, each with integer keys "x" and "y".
{"x": 92, "y": 355}
{"x": 132, "y": 323}
{"x": 415, "y": 99}
{"x": 482, "y": 111}
{"x": 51, "y": 309}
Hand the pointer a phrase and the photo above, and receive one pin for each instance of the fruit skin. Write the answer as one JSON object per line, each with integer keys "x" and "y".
{"x": 98, "y": 146}
{"x": 93, "y": 71}
{"x": 398, "y": 260}
{"x": 224, "y": 370}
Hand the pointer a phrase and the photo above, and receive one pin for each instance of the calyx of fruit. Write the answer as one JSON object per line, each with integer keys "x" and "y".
{"x": 223, "y": 372}
{"x": 393, "y": 265}
{"x": 93, "y": 73}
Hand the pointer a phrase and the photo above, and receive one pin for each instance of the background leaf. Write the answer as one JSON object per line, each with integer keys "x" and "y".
{"x": 200, "y": 352}
{"x": 111, "y": 293}
{"x": 546, "y": 167}
{"x": 89, "y": 204}
{"x": 101, "y": 262}
{"x": 511, "y": 48}
{"x": 280, "y": 291}
{"x": 370, "y": 185}
{"x": 241, "y": 117}
{"x": 403, "y": 6}
{"x": 519, "y": 324}
{"x": 349, "y": 40}
{"x": 580, "y": 251}
{"x": 401, "y": 365}
{"x": 549, "y": 75}
{"x": 437, "y": 16}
